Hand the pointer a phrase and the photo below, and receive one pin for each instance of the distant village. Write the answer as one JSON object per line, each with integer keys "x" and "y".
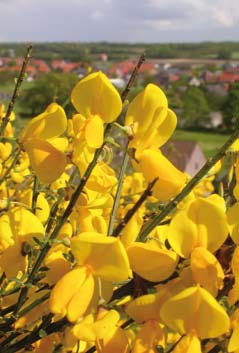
{"x": 216, "y": 74}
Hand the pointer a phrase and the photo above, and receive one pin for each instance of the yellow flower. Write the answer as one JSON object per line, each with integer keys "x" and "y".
{"x": 151, "y": 121}
{"x": 40, "y": 140}
{"x": 195, "y": 311}
{"x": 150, "y": 335}
{"x": 105, "y": 256}
{"x": 202, "y": 222}
{"x": 188, "y": 344}
{"x": 233, "y": 223}
{"x": 18, "y": 226}
{"x": 95, "y": 95}
{"x": 206, "y": 270}
{"x": 72, "y": 294}
{"x": 170, "y": 182}
{"x": 96, "y": 329}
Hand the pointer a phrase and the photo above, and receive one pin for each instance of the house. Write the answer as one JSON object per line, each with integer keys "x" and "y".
{"x": 187, "y": 156}
{"x": 194, "y": 81}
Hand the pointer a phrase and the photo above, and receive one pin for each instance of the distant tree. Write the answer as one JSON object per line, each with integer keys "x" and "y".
{"x": 215, "y": 100}
{"x": 231, "y": 107}
{"x": 48, "y": 88}
{"x": 6, "y": 77}
{"x": 224, "y": 53}
{"x": 195, "y": 112}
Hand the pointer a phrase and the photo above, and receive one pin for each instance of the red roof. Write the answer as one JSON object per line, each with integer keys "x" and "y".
{"x": 126, "y": 67}
{"x": 228, "y": 77}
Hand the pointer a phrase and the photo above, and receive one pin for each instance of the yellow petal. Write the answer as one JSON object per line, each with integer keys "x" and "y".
{"x": 12, "y": 261}
{"x": 115, "y": 341}
{"x": 94, "y": 132}
{"x": 146, "y": 107}
{"x": 194, "y": 310}
{"x": 166, "y": 128}
{"x": 6, "y": 234}
{"x": 170, "y": 180}
{"x": 144, "y": 308}
{"x": 60, "y": 143}
{"x": 51, "y": 123}
{"x": 81, "y": 299}
{"x": 25, "y": 225}
{"x": 188, "y": 344}
{"x": 206, "y": 270}
{"x": 233, "y": 343}
{"x": 98, "y": 329}
{"x": 68, "y": 297}
{"x": 232, "y": 219}
{"x": 199, "y": 223}
{"x": 47, "y": 162}
{"x": 151, "y": 262}
{"x": 149, "y": 337}
{"x": 95, "y": 95}
{"x": 106, "y": 256}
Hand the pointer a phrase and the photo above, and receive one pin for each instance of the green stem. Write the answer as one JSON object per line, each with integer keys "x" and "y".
{"x": 118, "y": 191}
{"x": 35, "y": 194}
{"x": 35, "y": 336}
{"x": 16, "y": 90}
{"x": 188, "y": 188}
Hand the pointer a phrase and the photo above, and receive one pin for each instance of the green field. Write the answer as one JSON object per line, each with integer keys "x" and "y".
{"x": 210, "y": 142}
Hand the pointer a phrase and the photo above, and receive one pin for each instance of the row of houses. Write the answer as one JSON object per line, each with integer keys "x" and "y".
{"x": 163, "y": 73}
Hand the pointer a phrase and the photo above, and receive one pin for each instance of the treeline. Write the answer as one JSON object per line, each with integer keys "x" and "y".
{"x": 121, "y": 51}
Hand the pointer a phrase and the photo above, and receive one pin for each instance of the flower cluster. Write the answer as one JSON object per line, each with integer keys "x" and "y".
{"x": 76, "y": 273}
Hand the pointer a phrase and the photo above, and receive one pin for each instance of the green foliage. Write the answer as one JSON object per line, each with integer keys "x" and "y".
{"x": 231, "y": 107}
{"x": 215, "y": 100}
{"x": 52, "y": 87}
{"x": 195, "y": 108}
{"x": 121, "y": 51}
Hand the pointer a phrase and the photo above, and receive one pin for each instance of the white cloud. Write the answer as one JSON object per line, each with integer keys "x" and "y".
{"x": 119, "y": 20}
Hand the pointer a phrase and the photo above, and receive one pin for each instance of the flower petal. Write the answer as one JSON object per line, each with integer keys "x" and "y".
{"x": 153, "y": 164}
{"x": 95, "y": 95}
{"x": 51, "y": 123}
{"x": 194, "y": 310}
{"x": 47, "y": 162}
{"x": 151, "y": 262}
{"x": 106, "y": 256}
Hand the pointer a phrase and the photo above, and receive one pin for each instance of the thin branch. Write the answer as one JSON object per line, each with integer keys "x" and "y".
{"x": 118, "y": 191}
{"x": 133, "y": 77}
{"x": 132, "y": 211}
{"x": 16, "y": 89}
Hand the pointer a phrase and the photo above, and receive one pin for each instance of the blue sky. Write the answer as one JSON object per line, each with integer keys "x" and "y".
{"x": 119, "y": 20}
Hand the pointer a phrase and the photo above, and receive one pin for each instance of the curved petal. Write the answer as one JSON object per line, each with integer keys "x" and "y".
{"x": 206, "y": 270}
{"x": 151, "y": 262}
{"x": 95, "y": 95}
{"x": 200, "y": 223}
{"x": 47, "y": 162}
{"x": 106, "y": 256}
{"x": 144, "y": 308}
{"x": 143, "y": 107}
{"x": 171, "y": 180}
{"x": 194, "y": 310}
{"x": 94, "y": 131}
{"x": 68, "y": 298}
{"x": 51, "y": 123}
{"x": 98, "y": 329}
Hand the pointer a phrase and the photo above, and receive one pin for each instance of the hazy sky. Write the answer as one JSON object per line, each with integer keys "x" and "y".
{"x": 119, "y": 20}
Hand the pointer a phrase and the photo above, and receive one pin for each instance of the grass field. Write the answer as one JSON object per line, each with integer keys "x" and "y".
{"x": 210, "y": 142}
